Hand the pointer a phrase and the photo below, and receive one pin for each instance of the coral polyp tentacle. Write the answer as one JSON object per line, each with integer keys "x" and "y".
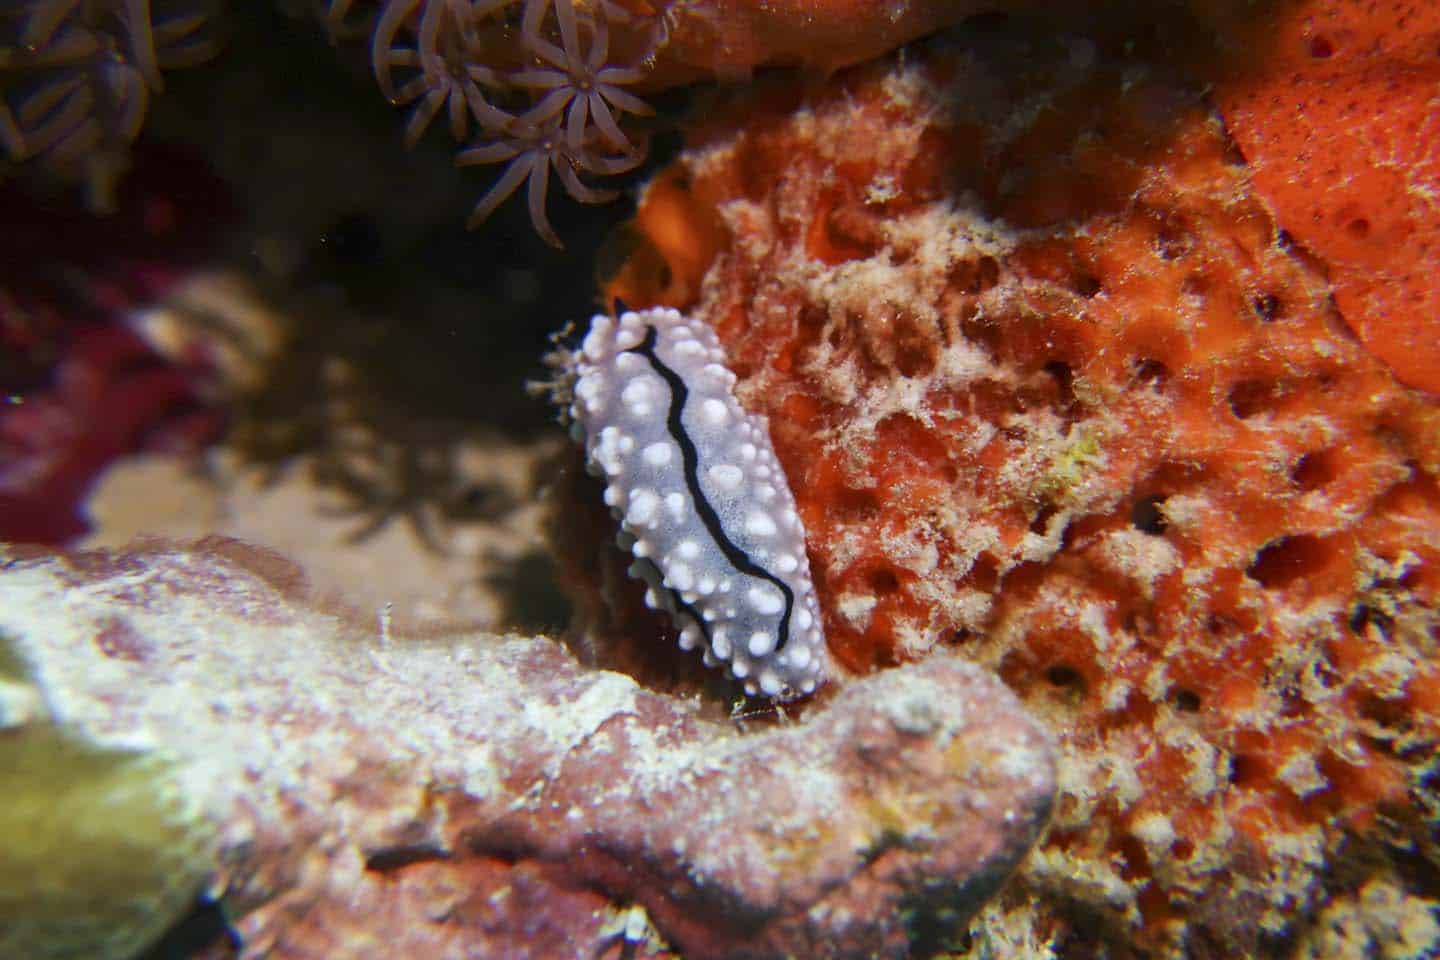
{"x": 540, "y": 87}
{"x": 76, "y": 80}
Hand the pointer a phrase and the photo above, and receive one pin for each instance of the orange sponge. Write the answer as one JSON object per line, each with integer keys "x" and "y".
{"x": 1053, "y": 387}
{"x": 1337, "y": 112}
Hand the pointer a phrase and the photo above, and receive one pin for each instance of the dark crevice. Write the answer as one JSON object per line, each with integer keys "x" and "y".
{"x": 1151, "y": 371}
{"x": 1288, "y": 559}
{"x": 1065, "y": 677}
{"x": 204, "y": 930}
{"x": 1184, "y": 700}
{"x": 1041, "y": 521}
{"x": 1266, "y": 306}
{"x": 1148, "y": 517}
{"x": 390, "y": 859}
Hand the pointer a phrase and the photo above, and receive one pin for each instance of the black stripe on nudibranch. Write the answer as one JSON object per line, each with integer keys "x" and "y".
{"x": 690, "y": 457}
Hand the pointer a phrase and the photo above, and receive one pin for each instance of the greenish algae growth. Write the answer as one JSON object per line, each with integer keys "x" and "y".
{"x": 1080, "y": 458}
{"x": 100, "y": 851}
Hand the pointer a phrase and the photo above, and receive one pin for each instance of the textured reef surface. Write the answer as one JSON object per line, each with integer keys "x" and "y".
{"x": 354, "y": 794}
{"x": 1054, "y": 390}
{"x": 1100, "y": 352}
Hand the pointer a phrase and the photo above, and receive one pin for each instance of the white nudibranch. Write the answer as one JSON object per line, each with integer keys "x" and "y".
{"x": 703, "y": 504}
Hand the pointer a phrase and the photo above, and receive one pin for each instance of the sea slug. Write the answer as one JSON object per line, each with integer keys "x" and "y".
{"x": 703, "y": 503}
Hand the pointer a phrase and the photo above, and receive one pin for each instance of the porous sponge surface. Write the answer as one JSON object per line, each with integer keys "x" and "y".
{"x": 1053, "y": 388}
{"x": 1338, "y": 116}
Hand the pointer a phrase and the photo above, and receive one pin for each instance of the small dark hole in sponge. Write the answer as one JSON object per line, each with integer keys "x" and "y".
{"x": 1186, "y": 701}
{"x": 1321, "y": 48}
{"x": 985, "y": 573}
{"x": 1288, "y": 559}
{"x": 1245, "y": 769}
{"x": 1061, "y": 675}
{"x": 1041, "y": 522}
{"x": 1249, "y": 397}
{"x": 1064, "y": 380}
{"x": 1147, "y": 516}
{"x": 1151, "y": 371}
{"x": 394, "y": 858}
{"x": 1170, "y": 246}
{"x": 1266, "y": 306}
{"x": 1314, "y": 470}
{"x": 1363, "y": 615}
{"x": 975, "y": 276}
{"x": 883, "y": 581}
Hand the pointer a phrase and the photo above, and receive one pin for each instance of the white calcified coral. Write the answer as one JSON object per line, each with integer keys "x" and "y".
{"x": 704, "y": 503}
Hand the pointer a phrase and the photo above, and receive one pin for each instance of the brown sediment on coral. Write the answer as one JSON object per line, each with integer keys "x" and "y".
{"x": 377, "y": 796}
{"x": 1054, "y": 389}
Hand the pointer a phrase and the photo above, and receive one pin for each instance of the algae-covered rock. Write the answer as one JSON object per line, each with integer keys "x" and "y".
{"x": 380, "y": 795}
{"x": 99, "y": 849}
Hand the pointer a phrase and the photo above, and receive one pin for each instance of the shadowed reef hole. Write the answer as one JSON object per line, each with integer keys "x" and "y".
{"x": 1288, "y": 559}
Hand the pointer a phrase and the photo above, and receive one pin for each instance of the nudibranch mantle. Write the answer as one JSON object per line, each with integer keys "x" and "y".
{"x": 703, "y": 503}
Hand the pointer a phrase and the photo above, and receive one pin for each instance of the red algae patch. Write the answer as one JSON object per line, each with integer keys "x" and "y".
{"x": 1054, "y": 389}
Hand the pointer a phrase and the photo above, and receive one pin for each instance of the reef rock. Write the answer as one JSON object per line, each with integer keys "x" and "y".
{"x": 352, "y": 794}
{"x": 1054, "y": 389}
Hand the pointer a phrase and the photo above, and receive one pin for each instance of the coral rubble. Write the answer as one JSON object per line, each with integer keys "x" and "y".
{"x": 1054, "y": 390}
{"x": 482, "y": 795}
